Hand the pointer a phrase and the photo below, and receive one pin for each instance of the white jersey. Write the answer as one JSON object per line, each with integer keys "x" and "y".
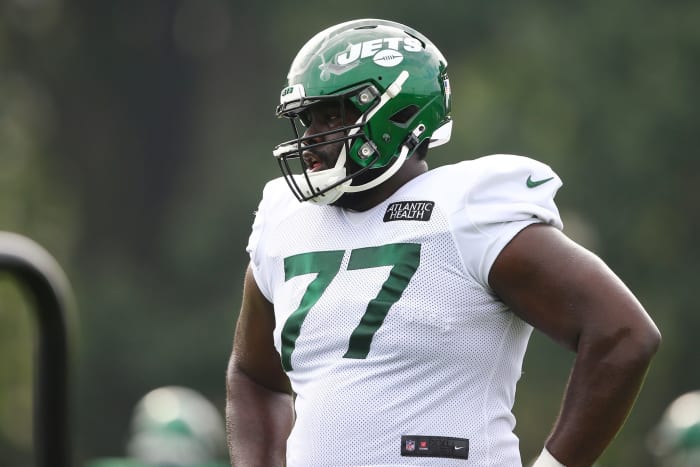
{"x": 399, "y": 352}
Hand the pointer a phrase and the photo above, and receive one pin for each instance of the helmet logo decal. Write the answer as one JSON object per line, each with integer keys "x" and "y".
{"x": 387, "y": 58}
{"x": 328, "y": 69}
{"x": 367, "y": 49}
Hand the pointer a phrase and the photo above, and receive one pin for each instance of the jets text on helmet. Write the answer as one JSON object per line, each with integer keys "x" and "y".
{"x": 369, "y": 48}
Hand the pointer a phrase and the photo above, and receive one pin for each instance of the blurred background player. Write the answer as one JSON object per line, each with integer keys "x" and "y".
{"x": 173, "y": 426}
{"x": 675, "y": 441}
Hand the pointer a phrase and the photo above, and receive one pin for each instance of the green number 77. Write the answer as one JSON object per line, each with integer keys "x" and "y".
{"x": 404, "y": 259}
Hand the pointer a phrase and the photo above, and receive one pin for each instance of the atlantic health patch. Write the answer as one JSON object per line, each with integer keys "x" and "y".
{"x": 434, "y": 446}
{"x": 409, "y": 211}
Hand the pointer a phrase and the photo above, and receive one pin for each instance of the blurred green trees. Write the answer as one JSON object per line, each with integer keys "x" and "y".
{"x": 135, "y": 138}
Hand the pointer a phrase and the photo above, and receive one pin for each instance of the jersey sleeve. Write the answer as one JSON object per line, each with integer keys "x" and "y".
{"x": 508, "y": 193}
{"x": 262, "y": 225}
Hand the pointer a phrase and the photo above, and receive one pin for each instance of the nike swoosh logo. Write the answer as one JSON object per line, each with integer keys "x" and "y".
{"x": 533, "y": 183}
{"x": 458, "y": 447}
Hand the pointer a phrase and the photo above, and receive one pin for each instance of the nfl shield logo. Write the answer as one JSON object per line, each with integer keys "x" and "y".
{"x": 410, "y": 445}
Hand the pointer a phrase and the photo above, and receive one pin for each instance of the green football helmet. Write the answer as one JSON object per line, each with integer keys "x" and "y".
{"x": 393, "y": 75}
{"x": 675, "y": 441}
{"x": 176, "y": 426}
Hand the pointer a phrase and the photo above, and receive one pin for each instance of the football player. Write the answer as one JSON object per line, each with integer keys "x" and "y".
{"x": 173, "y": 426}
{"x": 387, "y": 307}
{"x": 675, "y": 440}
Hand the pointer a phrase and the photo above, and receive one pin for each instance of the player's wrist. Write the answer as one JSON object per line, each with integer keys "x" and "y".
{"x": 546, "y": 459}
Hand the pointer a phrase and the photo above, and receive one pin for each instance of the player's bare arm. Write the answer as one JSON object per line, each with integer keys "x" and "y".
{"x": 259, "y": 401}
{"x": 569, "y": 294}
